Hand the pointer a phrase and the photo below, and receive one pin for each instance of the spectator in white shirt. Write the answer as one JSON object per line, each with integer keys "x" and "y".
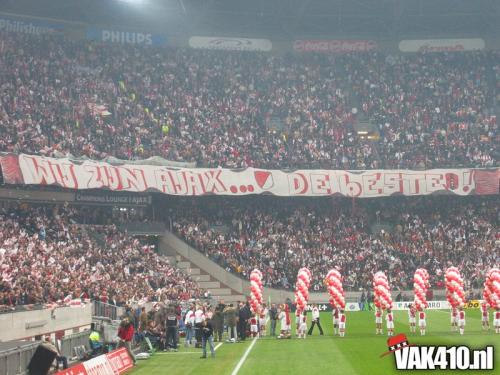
{"x": 199, "y": 317}
{"x": 189, "y": 323}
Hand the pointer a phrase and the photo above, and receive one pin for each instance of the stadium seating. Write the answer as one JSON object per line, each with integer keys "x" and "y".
{"x": 215, "y": 108}
{"x": 247, "y": 109}
{"x": 394, "y": 235}
{"x": 46, "y": 257}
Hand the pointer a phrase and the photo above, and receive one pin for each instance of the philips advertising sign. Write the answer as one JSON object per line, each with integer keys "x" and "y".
{"x": 126, "y": 37}
{"x": 29, "y": 25}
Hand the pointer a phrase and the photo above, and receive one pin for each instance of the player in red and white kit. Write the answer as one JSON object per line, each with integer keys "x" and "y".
{"x": 254, "y": 325}
{"x": 342, "y": 320}
{"x": 284, "y": 317}
{"x": 461, "y": 320}
{"x": 421, "y": 322}
{"x": 485, "y": 318}
{"x": 454, "y": 319}
{"x": 263, "y": 320}
{"x": 389, "y": 319}
{"x": 412, "y": 317}
{"x": 302, "y": 331}
{"x": 378, "y": 321}
{"x": 496, "y": 320}
{"x": 335, "y": 317}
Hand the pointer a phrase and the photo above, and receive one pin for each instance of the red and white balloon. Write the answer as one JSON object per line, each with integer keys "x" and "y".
{"x": 491, "y": 293}
{"x": 420, "y": 287}
{"x": 302, "y": 288}
{"x": 454, "y": 287}
{"x": 256, "y": 288}
{"x": 335, "y": 288}
{"x": 381, "y": 291}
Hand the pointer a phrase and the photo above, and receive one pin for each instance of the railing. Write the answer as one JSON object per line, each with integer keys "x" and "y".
{"x": 15, "y": 361}
{"x": 69, "y": 342}
{"x": 106, "y": 310}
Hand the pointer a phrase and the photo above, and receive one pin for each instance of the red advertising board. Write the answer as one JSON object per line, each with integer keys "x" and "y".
{"x": 120, "y": 360}
{"x": 335, "y": 46}
{"x": 441, "y": 45}
{"x": 78, "y": 369}
{"x": 230, "y": 43}
{"x": 114, "y": 363}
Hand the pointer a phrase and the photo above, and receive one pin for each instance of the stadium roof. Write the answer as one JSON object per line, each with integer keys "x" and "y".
{"x": 278, "y": 18}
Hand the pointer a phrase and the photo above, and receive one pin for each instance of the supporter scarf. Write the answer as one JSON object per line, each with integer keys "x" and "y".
{"x": 287, "y": 315}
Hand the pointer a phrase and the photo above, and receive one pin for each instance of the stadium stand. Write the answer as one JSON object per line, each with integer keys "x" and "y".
{"x": 48, "y": 258}
{"x": 63, "y": 97}
{"x": 397, "y": 235}
{"x": 247, "y": 109}
{"x": 69, "y": 258}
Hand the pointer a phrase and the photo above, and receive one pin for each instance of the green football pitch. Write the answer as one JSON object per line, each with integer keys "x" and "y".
{"x": 356, "y": 353}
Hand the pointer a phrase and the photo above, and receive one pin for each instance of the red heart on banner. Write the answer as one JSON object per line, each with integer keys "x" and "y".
{"x": 264, "y": 179}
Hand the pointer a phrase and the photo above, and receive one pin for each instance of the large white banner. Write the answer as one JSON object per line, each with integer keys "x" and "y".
{"x": 230, "y": 44}
{"x": 441, "y": 45}
{"x": 88, "y": 174}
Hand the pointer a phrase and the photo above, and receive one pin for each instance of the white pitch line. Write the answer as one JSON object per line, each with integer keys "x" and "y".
{"x": 245, "y": 355}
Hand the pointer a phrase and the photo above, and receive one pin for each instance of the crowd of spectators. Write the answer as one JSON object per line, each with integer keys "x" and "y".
{"x": 46, "y": 257}
{"x": 239, "y": 109}
{"x": 393, "y": 235}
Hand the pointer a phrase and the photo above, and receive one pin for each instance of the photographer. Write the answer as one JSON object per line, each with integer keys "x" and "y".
{"x": 273, "y": 316}
{"x": 171, "y": 326}
{"x": 59, "y": 358}
{"x": 219, "y": 320}
{"x": 207, "y": 335}
{"x": 199, "y": 317}
{"x": 231, "y": 318}
{"x": 243, "y": 316}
